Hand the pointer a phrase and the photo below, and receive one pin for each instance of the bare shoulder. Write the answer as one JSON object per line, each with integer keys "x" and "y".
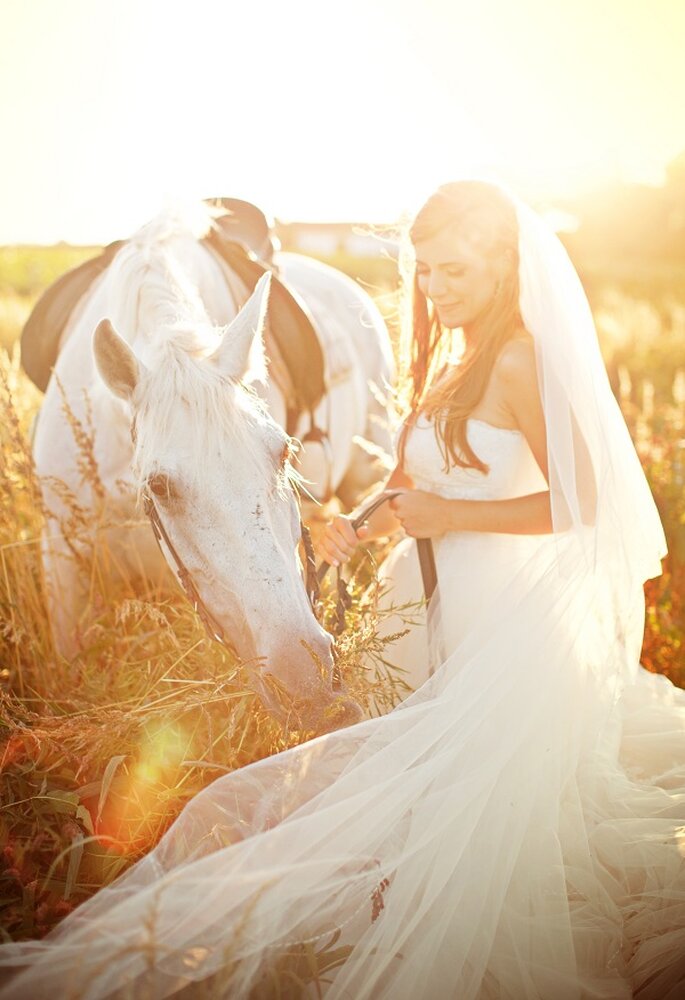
{"x": 515, "y": 364}
{"x": 518, "y": 379}
{"x": 517, "y": 372}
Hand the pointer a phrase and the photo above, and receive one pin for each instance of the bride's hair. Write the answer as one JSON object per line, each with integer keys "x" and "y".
{"x": 486, "y": 216}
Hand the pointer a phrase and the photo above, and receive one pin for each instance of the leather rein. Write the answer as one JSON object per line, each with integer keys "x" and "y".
{"x": 313, "y": 576}
{"x": 185, "y": 578}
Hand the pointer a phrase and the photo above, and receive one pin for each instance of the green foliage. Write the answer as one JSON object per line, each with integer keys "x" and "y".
{"x": 24, "y": 273}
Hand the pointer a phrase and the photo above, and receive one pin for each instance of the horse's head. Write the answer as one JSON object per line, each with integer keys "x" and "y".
{"x": 216, "y": 467}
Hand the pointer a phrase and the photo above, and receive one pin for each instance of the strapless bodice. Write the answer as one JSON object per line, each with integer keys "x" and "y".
{"x": 474, "y": 567}
{"x": 512, "y": 470}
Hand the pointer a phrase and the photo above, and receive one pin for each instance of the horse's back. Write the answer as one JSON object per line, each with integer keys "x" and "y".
{"x": 359, "y": 369}
{"x": 341, "y": 309}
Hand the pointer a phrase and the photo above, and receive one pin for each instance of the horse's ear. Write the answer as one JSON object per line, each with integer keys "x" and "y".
{"x": 115, "y": 360}
{"x": 241, "y": 351}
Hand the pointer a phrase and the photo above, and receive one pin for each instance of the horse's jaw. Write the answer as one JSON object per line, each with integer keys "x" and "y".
{"x": 295, "y": 682}
{"x": 289, "y": 665}
{"x": 294, "y": 677}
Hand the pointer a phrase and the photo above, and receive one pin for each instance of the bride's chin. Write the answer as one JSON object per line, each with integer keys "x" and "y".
{"x": 453, "y": 318}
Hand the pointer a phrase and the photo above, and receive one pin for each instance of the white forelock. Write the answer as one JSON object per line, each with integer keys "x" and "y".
{"x": 218, "y": 419}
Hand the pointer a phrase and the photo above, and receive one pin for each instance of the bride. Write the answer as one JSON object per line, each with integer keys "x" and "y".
{"x": 511, "y": 830}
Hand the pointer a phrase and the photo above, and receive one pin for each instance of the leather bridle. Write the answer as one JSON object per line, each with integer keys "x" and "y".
{"x": 424, "y": 547}
{"x": 185, "y": 577}
{"x": 313, "y": 576}
{"x": 212, "y": 626}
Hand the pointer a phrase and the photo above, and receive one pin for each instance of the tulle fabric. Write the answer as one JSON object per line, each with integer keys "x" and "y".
{"x": 524, "y": 859}
{"x": 510, "y": 831}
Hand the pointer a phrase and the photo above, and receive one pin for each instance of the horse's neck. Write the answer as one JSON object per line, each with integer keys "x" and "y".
{"x": 149, "y": 310}
{"x": 182, "y": 297}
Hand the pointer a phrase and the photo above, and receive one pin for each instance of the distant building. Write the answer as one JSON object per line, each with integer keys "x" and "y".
{"x": 327, "y": 239}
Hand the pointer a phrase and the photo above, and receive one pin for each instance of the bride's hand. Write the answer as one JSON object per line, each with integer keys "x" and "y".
{"x": 423, "y": 515}
{"x": 339, "y": 540}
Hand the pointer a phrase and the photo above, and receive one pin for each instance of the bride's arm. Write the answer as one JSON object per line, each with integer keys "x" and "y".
{"x": 518, "y": 380}
{"x": 426, "y": 515}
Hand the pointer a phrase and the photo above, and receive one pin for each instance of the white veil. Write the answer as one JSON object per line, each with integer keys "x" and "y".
{"x": 453, "y": 844}
{"x": 595, "y": 475}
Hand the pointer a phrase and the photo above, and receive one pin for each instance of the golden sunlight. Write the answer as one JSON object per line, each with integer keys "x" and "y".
{"x": 320, "y": 111}
{"x": 134, "y": 806}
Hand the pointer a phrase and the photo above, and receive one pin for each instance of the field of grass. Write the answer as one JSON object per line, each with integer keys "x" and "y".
{"x": 99, "y": 755}
{"x": 24, "y": 273}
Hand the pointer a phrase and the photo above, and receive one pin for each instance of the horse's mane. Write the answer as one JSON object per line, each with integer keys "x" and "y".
{"x": 155, "y": 303}
{"x": 151, "y": 292}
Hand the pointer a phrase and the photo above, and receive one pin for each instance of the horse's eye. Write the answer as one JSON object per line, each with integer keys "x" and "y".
{"x": 160, "y": 485}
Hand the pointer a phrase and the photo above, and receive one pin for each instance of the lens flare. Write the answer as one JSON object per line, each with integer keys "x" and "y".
{"x": 141, "y": 799}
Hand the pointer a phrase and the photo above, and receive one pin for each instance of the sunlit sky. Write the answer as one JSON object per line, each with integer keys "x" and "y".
{"x": 323, "y": 110}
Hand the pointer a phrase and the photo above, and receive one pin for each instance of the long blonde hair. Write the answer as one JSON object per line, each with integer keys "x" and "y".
{"x": 481, "y": 210}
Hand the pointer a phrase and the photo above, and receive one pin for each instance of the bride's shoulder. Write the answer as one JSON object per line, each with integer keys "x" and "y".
{"x": 516, "y": 361}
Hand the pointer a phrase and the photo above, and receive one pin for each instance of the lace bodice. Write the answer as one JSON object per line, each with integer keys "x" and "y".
{"x": 512, "y": 468}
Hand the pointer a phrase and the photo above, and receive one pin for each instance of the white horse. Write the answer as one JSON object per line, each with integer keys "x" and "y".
{"x": 210, "y": 448}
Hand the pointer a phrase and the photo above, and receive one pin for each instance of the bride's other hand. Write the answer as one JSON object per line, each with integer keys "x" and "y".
{"x": 423, "y": 515}
{"x": 339, "y": 540}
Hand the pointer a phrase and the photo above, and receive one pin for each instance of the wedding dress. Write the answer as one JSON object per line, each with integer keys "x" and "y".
{"x": 472, "y": 567}
{"x": 511, "y": 830}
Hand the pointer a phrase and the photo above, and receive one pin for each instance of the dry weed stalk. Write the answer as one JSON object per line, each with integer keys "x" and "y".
{"x": 98, "y": 755}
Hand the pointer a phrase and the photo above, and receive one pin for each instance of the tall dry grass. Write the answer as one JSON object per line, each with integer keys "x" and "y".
{"x": 643, "y": 341}
{"x": 24, "y": 272}
{"x": 100, "y": 754}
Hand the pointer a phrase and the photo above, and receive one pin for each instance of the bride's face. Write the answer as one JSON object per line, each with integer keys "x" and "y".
{"x": 457, "y": 276}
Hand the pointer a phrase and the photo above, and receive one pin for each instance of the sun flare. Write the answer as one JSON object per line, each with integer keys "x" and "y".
{"x": 321, "y": 112}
